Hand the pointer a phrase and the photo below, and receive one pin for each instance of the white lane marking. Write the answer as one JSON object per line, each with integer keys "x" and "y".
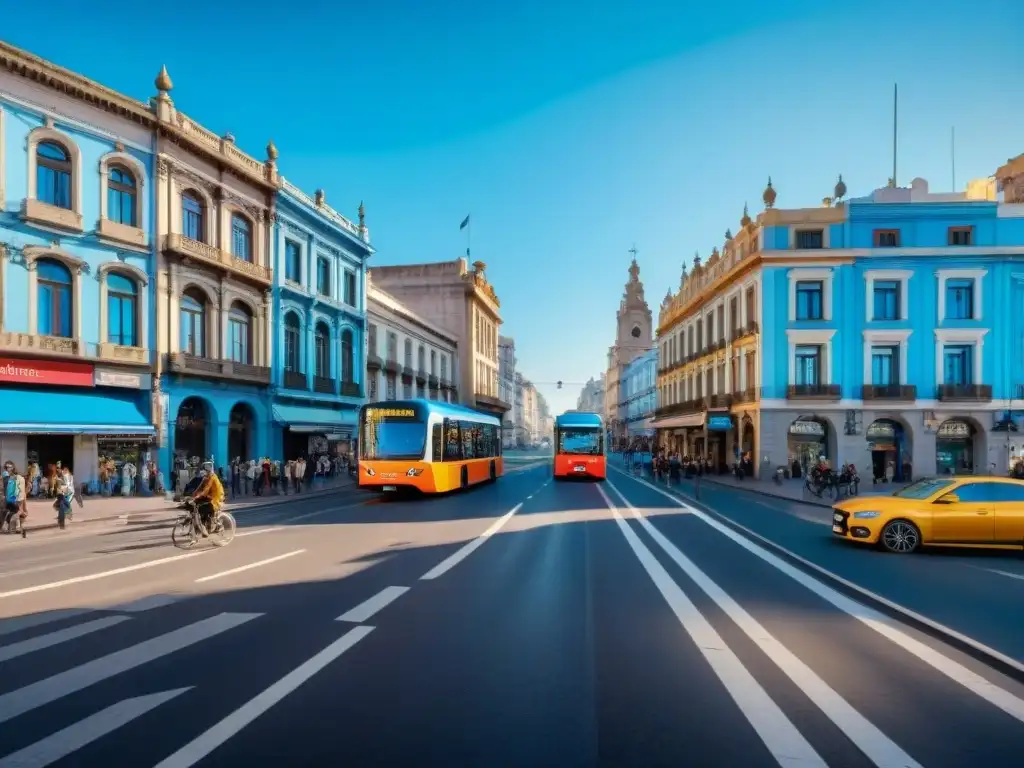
{"x": 101, "y": 575}
{"x": 780, "y": 736}
{"x": 47, "y": 691}
{"x": 257, "y": 533}
{"x": 249, "y": 566}
{"x": 368, "y": 608}
{"x": 143, "y": 604}
{"x": 73, "y": 738}
{"x": 18, "y": 623}
{"x": 1004, "y": 573}
{"x": 529, "y": 497}
{"x": 14, "y": 650}
{"x": 870, "y": 740}
{"x": 205, "y": 743}
{"x": 452, "y": 560}
{"x": 884, "y": 625}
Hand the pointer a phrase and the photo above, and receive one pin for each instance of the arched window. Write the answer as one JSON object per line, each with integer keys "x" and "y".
{"x": 322, "y": 340}
{"x": 122, "y": 309}
{"x": 421, "y": 354}
{"x": 241, "y": 237}
{"x": 193, "y": 322}
{"x": 55, "y": 303}
{"x": 292, "y": 343}
{"x": 433, "y": 362}
{"x": 53, "y": 174}
{"x": 193, "y": 218}
{"x": 121, "y": 196}
{"x": 408, "y": 353}
{"x": 240, "y": 334}
{"x": 347, "y": 356}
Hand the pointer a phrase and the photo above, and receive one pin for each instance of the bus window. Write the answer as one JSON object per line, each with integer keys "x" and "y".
{"x": 437, "y": 442}
{"x": 452, "y": 441}
{"x": 580, "y": 442}
{"x": 468, "y": 441}
{"x": 392, "y": 434}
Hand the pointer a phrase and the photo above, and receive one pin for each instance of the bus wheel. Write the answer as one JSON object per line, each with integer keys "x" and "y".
{"x": 464, "y": 478}
{"x": 494, "y": 474}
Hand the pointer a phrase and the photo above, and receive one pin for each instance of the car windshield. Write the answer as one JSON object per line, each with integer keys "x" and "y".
{"x": 393, "y": 440}
{"x": 580, "y": 442}
{"x": 922, "y": 489}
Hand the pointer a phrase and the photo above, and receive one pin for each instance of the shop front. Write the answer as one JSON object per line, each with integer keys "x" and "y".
{"x": 718, "y": 427}
{"x": 808, "y": 441}
{"x": 954, "y": 448}
{"x": 72, "y": 413}
{"x": 315, "y": 430}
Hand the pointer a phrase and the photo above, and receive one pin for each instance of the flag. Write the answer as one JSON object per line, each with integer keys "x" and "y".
{"x": 464, "y": 224}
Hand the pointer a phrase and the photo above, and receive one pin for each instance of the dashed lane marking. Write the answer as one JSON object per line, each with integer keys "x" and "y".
{"x": 366, "y": 609}
{"x": 249, "y": 566}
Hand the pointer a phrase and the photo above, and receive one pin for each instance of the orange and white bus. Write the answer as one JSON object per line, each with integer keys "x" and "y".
{"x": 430, "y": 446}
{"x": 579, "y": 446}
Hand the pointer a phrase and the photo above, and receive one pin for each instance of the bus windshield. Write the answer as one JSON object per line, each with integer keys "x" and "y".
{"x": 581, "y": 442}
{"x": 396, "y": 436}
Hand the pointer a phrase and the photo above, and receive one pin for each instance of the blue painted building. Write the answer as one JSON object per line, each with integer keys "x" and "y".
{"x": 76, "y": 266}
{"x": 319, "y": 355}
{"x": 638, "y": 390}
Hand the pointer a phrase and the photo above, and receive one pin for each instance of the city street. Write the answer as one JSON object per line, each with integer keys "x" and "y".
{"x": 523, "y": 623}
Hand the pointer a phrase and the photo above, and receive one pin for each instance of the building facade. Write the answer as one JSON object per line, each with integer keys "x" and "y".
{"x": 892, "y": 334}
{"x": 407, "y": 355}
{"x": 639, "y": 394}
{"x": 214, "y": 275}
{"x": 320, "y": 325}
{"x": 76, "y": 255}
{"x": 507, "y": 387}
{"x": 591, "y": 397}
{"x": 464, "y": 304}
{"x": 634, "y": 330}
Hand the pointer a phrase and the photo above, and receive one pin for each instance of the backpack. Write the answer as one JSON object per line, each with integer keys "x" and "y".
{"x": 11, "y": 492}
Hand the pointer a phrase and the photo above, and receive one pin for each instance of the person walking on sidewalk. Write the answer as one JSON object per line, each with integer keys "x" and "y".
{"x": 300, "y": 473}
{"x": 65, "y": 495}
{"x": 14, "y": 499}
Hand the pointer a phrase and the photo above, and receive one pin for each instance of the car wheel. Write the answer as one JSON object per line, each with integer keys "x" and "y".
{"x": 900, "y": 537}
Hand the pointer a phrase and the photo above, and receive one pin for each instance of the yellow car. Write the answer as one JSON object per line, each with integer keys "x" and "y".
{"x": 954, "y": 511}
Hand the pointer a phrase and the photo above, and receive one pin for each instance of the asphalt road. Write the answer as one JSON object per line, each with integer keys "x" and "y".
{"x": 524, "y": 623}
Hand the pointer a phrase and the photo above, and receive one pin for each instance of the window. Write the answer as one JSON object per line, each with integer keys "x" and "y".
{"x": 322, "y": 349}
{"x": 470, "y": 438}
{"x": 808, "y": 299}
{"x": 390, "y": 384}
{"x": 961, "y": 235}
{"x": 371, "y": 392}
{"x": 53, "y": 174}
{"x": 444, "y": 368}
{"x": 750, "y": 302}
{"x": 433, "y": 362}
{"x": 350, "y": 288}
{"x": 347, "y": 356}
{"x": 371, "y": 339}
{"x": 193, "y": 224}
{"x": 55, "y": 308}
{"x": 1007, "y": 492}
{"x": 393, "y": 347}
{"x": 452, "y": 441}
{"x": 241, "y": 237}
{"x": 887, "y": 238}
{"x": 292, "y": 261}
{"x": 886, "y": 300}
{"x": 885, "y": 366}
{"x": 421, "y": 359}
{"x": 193, "y": 322}
{"x": 406, "y": 390}
{"x": 810, "y": 238}
{"x": 976, "y": 493}
{"x": 437, "y": 443}
{"x": 960, "y": 298}
{"x": 408, "y": 353}
{"x": 958, "y": 364}
{"x": 808, "y": 365}
{"x": 122, "y": 304}
{"x": 121, "y": 196}
{"x": 292, "y": 343}
{"x": 240, "y": 334}
{"x": 323, "y": 276}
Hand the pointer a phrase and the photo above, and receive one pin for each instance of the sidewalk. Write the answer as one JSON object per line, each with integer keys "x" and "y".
{"x": 41, "y": 514}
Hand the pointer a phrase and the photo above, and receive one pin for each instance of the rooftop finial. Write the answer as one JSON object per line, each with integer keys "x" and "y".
{"x": 320, "y": 197}
{"x": 271, "y": 151}
{"x": 769, "y": 194}
{"x": 163, "y": 81}
{"x": 745, "y": 219}
{"x": 362, "y": 215}
{"x": 728, "y": 235}
{"x": 840, "y": 190}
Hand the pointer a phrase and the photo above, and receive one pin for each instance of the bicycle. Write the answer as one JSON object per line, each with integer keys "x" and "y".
{"x": 187, "y": 530}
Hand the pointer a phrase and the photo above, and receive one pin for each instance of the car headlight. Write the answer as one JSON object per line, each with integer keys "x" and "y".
{"x": 866, "y": 515}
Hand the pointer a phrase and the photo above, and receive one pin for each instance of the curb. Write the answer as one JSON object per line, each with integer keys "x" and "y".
{"x": 769, "y": 494}
{"x": 173, "y": 508}
{"x": 977, "y": 650}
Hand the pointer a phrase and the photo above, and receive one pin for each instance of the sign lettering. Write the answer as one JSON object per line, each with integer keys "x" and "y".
{"x": 383, "y": 413}
{"x": 61, "y": 373}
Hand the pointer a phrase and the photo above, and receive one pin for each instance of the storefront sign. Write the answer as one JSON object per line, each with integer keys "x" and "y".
{"x": 955, "y": 430}
{"x": 107, "y": 377}
{"x": 808, "y": 428}
{"x": 719, "y": 423}
{"x": 390, "y": 413}
{"x": 59, "y": 373}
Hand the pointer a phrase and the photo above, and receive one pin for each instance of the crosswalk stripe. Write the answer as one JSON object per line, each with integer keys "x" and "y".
{"x": 18, "y": 623}
{"x": 47, "y": 691}
{"x": 143, "y": 604}
{"x": 206, "y": 742}
{"x": 14, "y": 650}
{"x": 71, "y": 739}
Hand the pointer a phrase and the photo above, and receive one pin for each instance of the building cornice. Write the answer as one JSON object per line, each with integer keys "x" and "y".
{"x": 388, "y": 303}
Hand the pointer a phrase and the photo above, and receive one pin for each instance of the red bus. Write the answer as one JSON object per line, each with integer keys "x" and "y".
{"x": 579, "y": 446}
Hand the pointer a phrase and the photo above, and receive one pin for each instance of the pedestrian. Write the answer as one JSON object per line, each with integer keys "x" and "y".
{"x": 15, "y": 510}
{"x": 65, "y": 495}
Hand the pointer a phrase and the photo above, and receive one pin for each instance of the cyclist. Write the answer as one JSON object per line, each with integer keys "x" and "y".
{"x": 209, "y": 497}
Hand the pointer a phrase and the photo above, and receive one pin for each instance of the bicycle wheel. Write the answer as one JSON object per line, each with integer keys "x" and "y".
{"x": 182, "y": 534}
{"x": 223, "y": 530}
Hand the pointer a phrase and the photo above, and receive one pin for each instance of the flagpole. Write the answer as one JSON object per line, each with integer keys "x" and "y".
{"x": 469, "y": 235}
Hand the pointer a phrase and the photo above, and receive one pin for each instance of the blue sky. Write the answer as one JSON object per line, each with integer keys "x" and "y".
{"x": 569, "y": 132}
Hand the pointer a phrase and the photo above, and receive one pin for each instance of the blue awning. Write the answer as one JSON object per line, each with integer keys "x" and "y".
{"x": 311, "y": 419}
{"x": 63, "y": 412}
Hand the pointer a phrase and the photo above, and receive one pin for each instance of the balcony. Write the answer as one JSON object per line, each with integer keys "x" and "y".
{"x": 193, "y": 365}
{"x": 433, "y": 381}
{"x": 408, "y": 372}
{"x": 374, "y": 362}
{"x": 116, "y": 353}
{"x": 421, "y": 376}
{"x": 900, "y": 392}
{"x": 45, "y": 346}
{"x": 678, "y": 409}
{"x": 351, "y": 389}
{"x": 965, "y": 392}
{"x": 37, "y": 212}
{"x": 813, "y": 392}
{"x": 719, "y": 401}
{"x": 187, "y": 248}
{"x": 295, "y": 380}
{"x": 392, "y": 366}
{"x": 748, "y": 395}
{"x": 323, "y": 385}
